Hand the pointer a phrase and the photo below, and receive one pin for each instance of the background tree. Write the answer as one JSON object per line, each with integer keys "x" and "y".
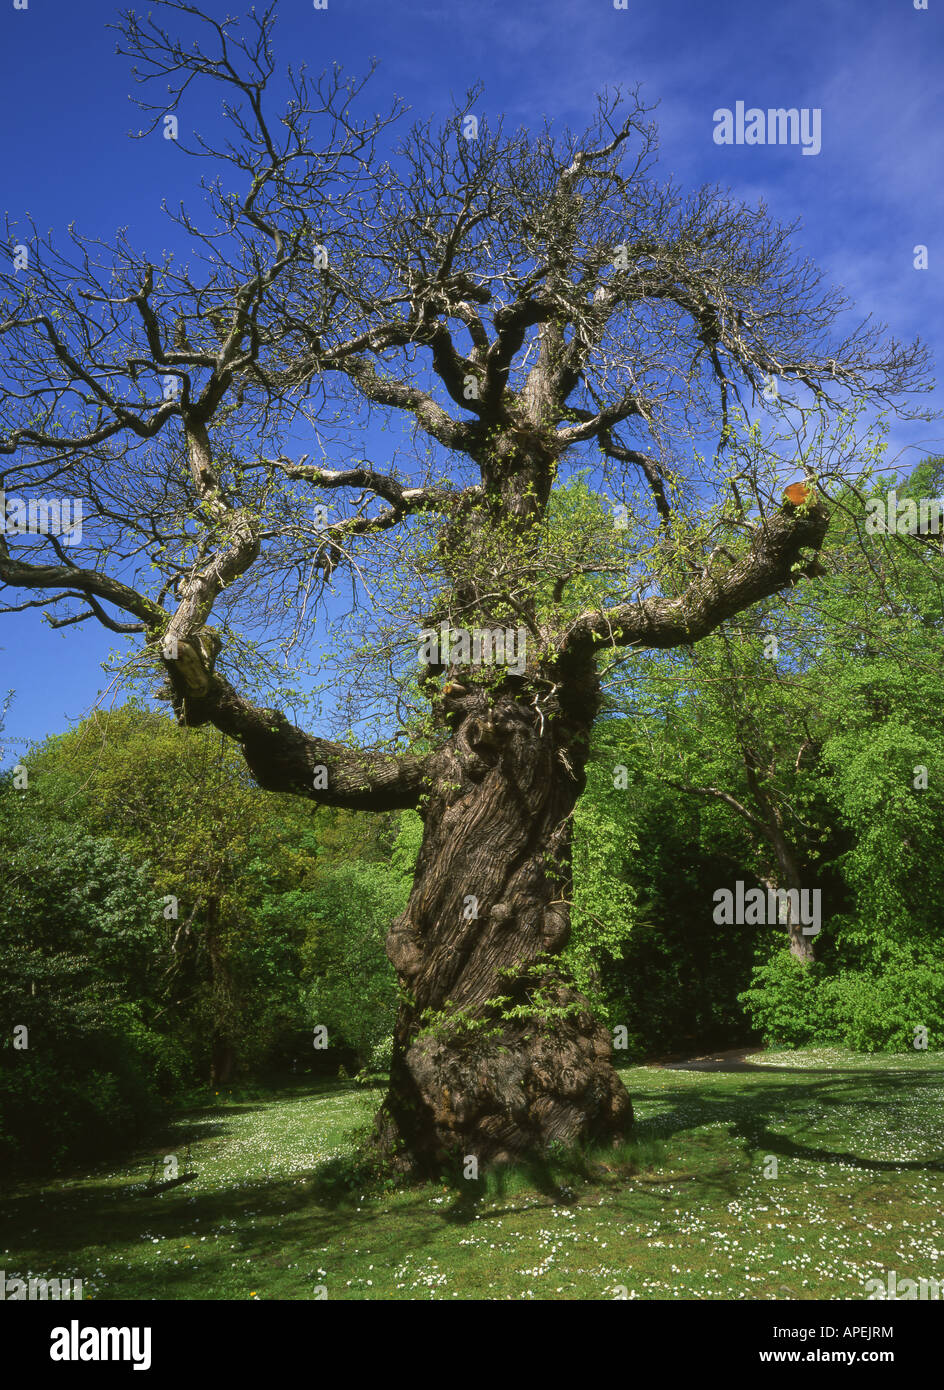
{"x": 843, "y": 716}
{"x": 130, "y": 1009}
{"x": 252, "y": 895}
{"x": 518, "y": 300}
{"x": 735, "y": 722}
{"x": 182, "y": 808}
{"x": 82, "y": 1065}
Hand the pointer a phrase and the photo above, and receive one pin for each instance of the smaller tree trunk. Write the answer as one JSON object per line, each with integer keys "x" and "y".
{"x": 801, "y": 945}
{"x": 222, "y": 1062}
{"x": 223, "y": 996}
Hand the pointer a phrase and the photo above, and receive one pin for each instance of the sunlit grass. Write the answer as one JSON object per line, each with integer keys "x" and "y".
{"x": 683, "y": 1211}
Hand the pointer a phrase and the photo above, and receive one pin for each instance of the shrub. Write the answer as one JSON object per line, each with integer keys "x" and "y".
{"x": 867, "y": 1010}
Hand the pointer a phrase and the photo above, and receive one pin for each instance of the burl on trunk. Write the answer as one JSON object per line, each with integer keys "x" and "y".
{"x": 487, "y": 918}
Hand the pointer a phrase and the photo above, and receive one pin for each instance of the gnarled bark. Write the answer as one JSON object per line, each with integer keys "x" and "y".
{"x": 486, "y": 920}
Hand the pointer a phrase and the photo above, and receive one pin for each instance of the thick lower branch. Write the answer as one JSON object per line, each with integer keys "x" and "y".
{"x": 282, "y": 757}
{"x": 719, "y": 593}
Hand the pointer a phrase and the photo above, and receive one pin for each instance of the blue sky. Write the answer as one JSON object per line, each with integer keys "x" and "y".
{"x": 873, "y": 67}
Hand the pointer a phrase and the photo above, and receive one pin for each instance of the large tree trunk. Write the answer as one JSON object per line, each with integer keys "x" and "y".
{"x": 486, "y": 918}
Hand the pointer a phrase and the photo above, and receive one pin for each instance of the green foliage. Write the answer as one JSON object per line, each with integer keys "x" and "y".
{"x": 350, "y": 986}
{"x": 604, "y": 912}
{"x": 675, "y": 981}
{"x": 833, "y": 738}
{"x": 882, "y": 1012}
{"x": 281, "y": 915}
{"x": 77, "y": 931}
{"x": 179, "y": 803}
{"x": 787, "y": 1004}
{"x": 875, "y": 1011}
{"x": 406, "y": 846}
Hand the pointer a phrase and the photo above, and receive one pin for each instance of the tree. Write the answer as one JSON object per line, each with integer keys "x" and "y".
{"x": 518, "y": 300}
{"x": 219, "y": 860}
{"x": 736, "y": 731}
{"x": 353, "y": 992}
{"x": 81, "y": 1064}
{"x": 817, "y": 716}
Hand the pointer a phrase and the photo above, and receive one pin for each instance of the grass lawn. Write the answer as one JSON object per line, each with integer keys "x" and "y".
{"x": 859, "y": 1190}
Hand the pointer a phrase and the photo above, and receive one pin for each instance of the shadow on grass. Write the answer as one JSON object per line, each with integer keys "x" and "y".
{"x": 272, "y": 1220}
{"x": 794, "y": 1071}
{"x": 747, "y": 1111}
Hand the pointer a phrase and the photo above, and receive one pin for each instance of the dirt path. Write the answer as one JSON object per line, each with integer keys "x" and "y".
{"x": 732, "y": 1060}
